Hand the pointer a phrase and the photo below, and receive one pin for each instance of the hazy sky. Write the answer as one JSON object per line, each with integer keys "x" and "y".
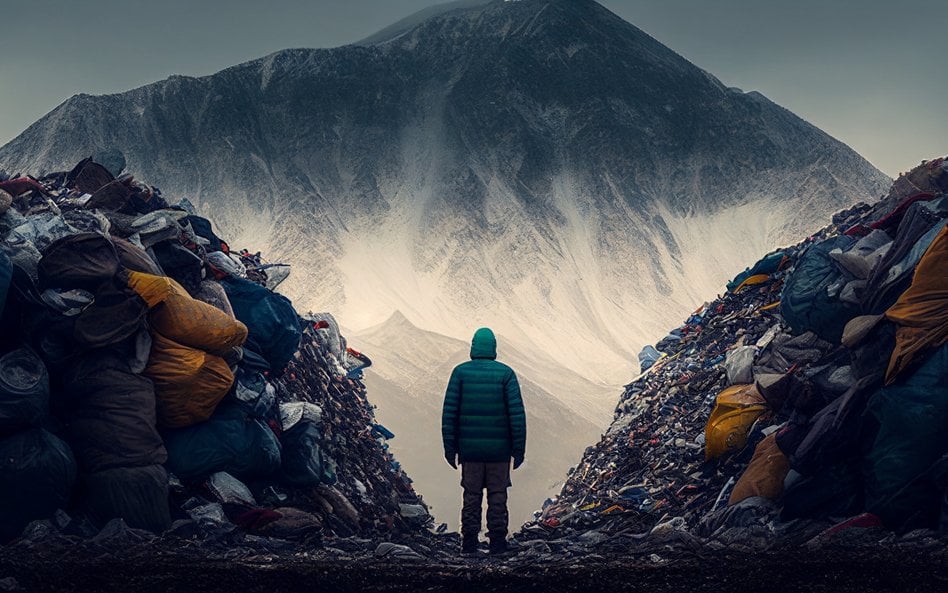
{"x": 870, "y": 72}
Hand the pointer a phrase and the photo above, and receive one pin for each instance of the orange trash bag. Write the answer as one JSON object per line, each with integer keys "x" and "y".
{"x": 765, "y": 473}
{"x": 183, "y": 319}
{"x": 189, "y": 383}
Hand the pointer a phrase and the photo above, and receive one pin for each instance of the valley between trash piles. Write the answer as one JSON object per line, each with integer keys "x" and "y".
{"x": 168, "y": 422}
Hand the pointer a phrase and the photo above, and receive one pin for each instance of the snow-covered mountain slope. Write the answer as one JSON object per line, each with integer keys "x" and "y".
{"x": 407, "y": 381}
{"x": 540, "y": 166}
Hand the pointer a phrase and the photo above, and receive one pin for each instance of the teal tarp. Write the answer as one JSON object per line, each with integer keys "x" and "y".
{"x": 810, "y": 299}
{"x": 769, "y": 264}
{"x": 911, "y": 417}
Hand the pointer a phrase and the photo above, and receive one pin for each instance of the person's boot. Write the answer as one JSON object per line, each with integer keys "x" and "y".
{"x": 498, "y": 546}
{"x": 469, "y": 546}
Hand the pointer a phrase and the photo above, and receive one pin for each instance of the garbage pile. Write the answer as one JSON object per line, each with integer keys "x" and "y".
{"x": 811, "y": 399}
{"x": 150, "y": 374}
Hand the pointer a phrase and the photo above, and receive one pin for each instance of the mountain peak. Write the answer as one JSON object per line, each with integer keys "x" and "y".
{"x": 503, "y": 19}
{"x": 536, "y": 164}
{"x": 398, "y": 319}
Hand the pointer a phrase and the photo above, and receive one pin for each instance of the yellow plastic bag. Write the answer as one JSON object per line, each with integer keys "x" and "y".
{"x": 737, "y": 408}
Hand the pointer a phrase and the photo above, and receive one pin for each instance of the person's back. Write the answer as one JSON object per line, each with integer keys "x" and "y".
{"x": 483, "y": 427}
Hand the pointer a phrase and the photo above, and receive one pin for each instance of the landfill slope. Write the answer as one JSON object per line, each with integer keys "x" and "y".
{"x": 584, "y": 183}
{"x": 804, "y": 405}
{"x": 156, "y": 388}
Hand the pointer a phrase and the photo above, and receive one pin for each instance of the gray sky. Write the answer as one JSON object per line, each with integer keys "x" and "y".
{"x": 870, "y": 72}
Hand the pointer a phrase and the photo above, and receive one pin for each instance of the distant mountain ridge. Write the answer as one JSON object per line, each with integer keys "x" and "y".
{"x": 540, "y": 166}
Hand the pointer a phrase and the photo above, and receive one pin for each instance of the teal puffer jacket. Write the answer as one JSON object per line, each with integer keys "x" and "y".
{"x": 483, "y": 417}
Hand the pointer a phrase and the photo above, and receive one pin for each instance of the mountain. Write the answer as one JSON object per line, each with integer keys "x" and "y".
{"x": 407, "y": 381}
{"x": 539, "y": 166}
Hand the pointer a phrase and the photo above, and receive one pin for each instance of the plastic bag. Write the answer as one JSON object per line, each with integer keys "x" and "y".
{"x": 24, "y": 390}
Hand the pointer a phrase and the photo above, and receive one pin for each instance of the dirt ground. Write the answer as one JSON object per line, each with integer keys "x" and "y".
{"x": 796, "y": 572}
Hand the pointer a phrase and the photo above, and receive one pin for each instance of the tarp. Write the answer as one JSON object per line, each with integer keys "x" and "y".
{"x": 274, "y": 328}
{"x": 767, "y": 265}
{"x": 922, "y": 311}
{"x": 187, "y": 321}
{"x": 37, "y": 473}
{"x": 809, "y": 301}
{"x": 189, "y": 383}
{"x": 231, "y": 441}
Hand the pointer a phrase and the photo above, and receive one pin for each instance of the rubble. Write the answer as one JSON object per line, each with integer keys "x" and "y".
{"x": 155, "y": 388}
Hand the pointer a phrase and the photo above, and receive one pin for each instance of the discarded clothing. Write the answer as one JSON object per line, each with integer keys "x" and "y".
{"x": 138, "y": 495}
{"x": 112, "y": 420}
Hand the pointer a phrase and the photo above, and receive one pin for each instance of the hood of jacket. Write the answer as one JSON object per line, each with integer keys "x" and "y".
{"x": 484, "y": 344}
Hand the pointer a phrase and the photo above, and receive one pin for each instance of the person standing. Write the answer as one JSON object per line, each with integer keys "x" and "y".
{"x": 484, "y": 427}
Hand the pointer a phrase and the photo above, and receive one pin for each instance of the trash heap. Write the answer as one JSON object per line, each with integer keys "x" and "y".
{"x": 811, "y": 398}
{"x": 151, "y": 379}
